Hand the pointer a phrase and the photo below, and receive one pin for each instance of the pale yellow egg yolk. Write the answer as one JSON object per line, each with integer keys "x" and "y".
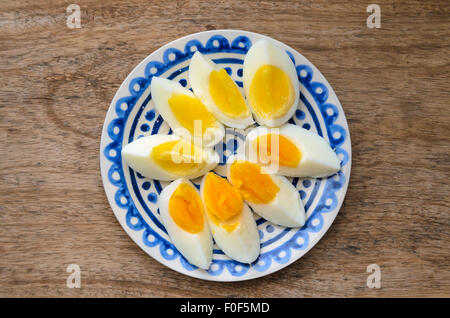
{"x": 226, "y": 95}
{"x": 223, "y": 202}
{"x": 186, "y": 209}
{"x": 271, "y": 92}
{"x": 178, "y": 156}
{"x": 188, "y": 109}
{"x": 254, "y": 186}
{"x": 288, "y": 153}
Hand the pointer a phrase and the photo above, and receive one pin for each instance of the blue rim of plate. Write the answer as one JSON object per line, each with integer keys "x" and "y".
{"x": 300, "y": 239}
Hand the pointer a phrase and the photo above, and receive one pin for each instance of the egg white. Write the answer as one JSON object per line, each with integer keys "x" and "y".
{"x": 137, "y": 155}
{"x": 318, "y": 159}
{"x": 264, "y": 52}
{"x": 162, "y": 90}
{"x": 285, "y": 209}
{"x": 195, "y": 247}
{"x": 200, "y": 69}
{"x": 242, "y": 244}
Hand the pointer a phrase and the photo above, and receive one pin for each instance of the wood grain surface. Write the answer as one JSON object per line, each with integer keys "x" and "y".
{"x": 56, "y": 85}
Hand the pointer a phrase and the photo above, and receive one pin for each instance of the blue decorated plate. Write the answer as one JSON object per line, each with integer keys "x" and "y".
{"x": 134, "y": 199}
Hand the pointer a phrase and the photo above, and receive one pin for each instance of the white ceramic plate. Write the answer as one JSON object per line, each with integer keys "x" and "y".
{"x": 134, "y": 199}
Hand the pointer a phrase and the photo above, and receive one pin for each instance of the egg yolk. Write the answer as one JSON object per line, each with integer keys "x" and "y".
{"x": 189, "y": 109}
{"x": 288, "y": 153}
{"x": 226, "y": 95}
{"x": 271, "y": 92}
{"x": 223, "y": 202}
{"x": 178, "y": 156}
{"x": 186, "y": 209}
{"x": 254, "y": 185}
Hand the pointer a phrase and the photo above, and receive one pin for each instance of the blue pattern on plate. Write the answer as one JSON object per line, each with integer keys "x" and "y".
{"x": 172, "y": 57}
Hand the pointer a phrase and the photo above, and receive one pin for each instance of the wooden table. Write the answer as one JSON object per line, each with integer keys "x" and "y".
{"x": 56, "y": 85}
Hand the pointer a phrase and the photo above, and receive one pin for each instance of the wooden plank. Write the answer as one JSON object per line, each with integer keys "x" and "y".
{"x": 55, "y": 88}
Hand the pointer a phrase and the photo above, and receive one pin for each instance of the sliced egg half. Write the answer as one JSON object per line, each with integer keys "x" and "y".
{"x": 182, "y": 213}
{"x": 231, "y": 221}
{"x": 168, "y": 157}
{"x": 185, "y": 113}
{"x": 272, "y": 197}
{"x": 270, "y": 83}
{"x": 296, "y": 151}
{"x": 218, "y": 92}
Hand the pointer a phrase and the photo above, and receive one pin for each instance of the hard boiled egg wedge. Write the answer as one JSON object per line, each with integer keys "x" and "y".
{"x": 293, "y": 151}
{"x": 272, "y": 197}
{"x": 218, "y": 92}
{"x": 168, "y": 157}
{"x": 185, "y": 113}
{"x": 182, "y": 213}
{"x": 270, "y": 83}
{"x": 231, "y": 222}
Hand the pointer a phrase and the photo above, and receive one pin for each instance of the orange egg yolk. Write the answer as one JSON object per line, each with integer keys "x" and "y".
{"x": 288, "y": 153}
{"x": 186, "y": 209}
{"x": 226, "y": 95}
{"x": 223, "y": 202}
{"x": 271, "y": 92}
{"x": 179, "y": 157}
{"x": 188, "y": 109}
{"x": 254, "y": 185}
